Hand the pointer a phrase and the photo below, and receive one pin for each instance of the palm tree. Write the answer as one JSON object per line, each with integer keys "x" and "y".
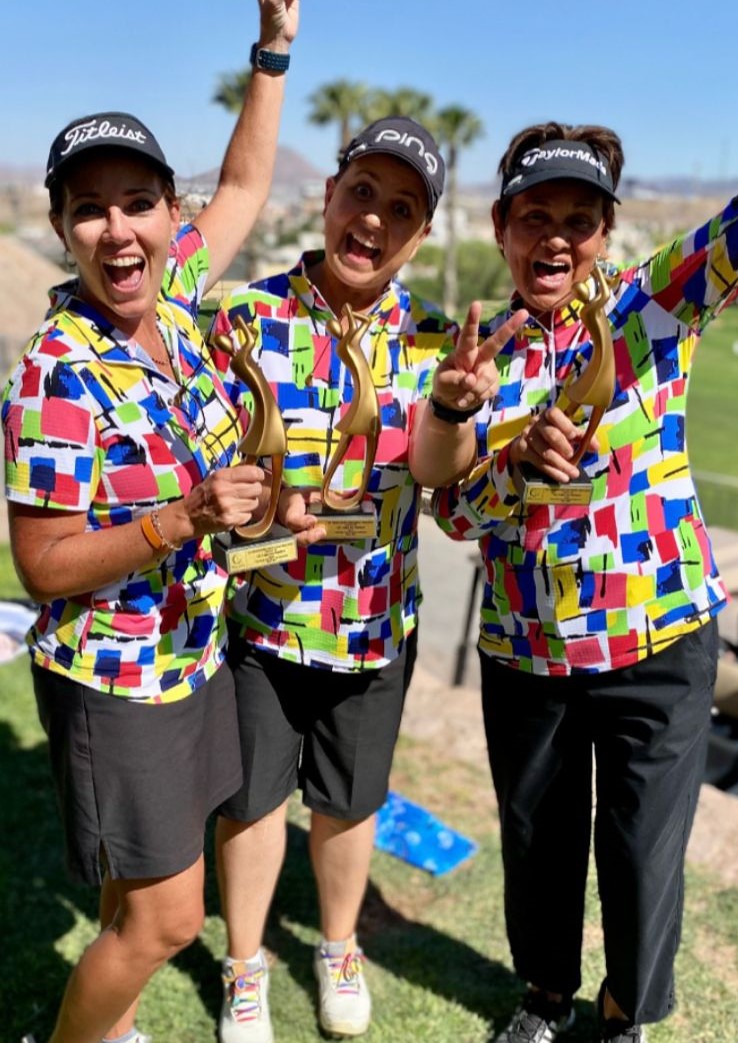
{"x": 405, "y": 101}
{"x": 456, "y": 127}
{"x": 354, "y": 106}
{"x": 231, "y": 89}
{"x": 342, "y": 102}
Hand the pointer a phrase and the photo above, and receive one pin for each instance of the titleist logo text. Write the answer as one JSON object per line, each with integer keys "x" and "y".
{"x": 92, "y": 129}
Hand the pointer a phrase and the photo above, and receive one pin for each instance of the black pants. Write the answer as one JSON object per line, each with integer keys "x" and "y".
{"x": 647, "y": 725}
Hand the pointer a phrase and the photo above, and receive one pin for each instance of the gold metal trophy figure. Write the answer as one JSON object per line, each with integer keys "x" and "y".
{"x": 250, "y": 546}
{"x": 594, "y": 387}
{"x": 349, "y": 516}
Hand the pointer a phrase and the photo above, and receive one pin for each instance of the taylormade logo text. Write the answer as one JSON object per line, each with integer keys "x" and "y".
{"x": 581, "y": 155}
{"x": 92, "y": 129}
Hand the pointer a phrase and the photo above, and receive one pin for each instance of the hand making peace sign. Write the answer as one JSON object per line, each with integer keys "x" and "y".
{"x": 468, "y": 375}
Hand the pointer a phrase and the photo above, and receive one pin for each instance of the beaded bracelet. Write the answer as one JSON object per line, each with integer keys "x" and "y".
{"x": 154, "y": 534}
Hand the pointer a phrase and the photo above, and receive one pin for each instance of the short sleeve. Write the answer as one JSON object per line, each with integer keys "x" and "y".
{"x": 52, "y": 452}
{"x": 187, "y": 269}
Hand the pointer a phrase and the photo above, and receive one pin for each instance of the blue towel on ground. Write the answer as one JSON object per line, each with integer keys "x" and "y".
{"x": 410, "y": 832}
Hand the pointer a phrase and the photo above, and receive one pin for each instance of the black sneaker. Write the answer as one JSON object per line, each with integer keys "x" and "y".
{"x": 615, "y": 1030}
{"x": 537, "y": 1020}
{"x": 618, "y": 1031}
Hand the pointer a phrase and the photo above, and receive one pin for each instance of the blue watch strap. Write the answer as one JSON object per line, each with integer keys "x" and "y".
{"x": 271, "y": 61}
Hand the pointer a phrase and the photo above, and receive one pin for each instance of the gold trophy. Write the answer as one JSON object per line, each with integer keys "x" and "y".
{"x": 349, "y": 516}
{"x": 594, "y": 387}
{"x": 258, "y": 543}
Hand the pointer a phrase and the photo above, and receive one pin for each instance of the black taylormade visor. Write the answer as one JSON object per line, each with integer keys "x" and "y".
{"x": 556, "y": 160}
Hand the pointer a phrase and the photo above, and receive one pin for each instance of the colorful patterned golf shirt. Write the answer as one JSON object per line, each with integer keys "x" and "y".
{"x": 599, "y": 587}
{"x": 92, "y": 425}
{"x": 342, "y": 606}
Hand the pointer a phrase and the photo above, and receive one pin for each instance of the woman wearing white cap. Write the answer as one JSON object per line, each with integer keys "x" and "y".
{"x": 597, "y": 635}
{"x": 119, "y": 436}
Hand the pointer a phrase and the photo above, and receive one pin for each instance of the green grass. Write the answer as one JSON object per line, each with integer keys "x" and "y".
{"x": 439, "y": 964}
{"x": 10, "y": 588}
{"x": 711, "y": 421}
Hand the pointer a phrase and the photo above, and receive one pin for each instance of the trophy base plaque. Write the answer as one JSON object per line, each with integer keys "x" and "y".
{"x": 346, "y": 526}
{"x": 537, "y": 489}
{"x": 236, "y": 554}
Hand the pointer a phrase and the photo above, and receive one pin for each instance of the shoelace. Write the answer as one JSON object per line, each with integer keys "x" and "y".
{"x": 245, "y": 995}
{"x": 345, "y": 971}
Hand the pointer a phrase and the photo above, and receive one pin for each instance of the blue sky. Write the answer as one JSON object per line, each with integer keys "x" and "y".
{"x": 660, "y": 73}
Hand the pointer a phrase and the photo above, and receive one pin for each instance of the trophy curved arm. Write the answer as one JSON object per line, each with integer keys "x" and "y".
{"x": 339, "y": 501}
{"x": 266, "y": 435}
{"x": 595, "y": 386}
{"x": 257, "y": 529}
{"x": 362, "y": 418}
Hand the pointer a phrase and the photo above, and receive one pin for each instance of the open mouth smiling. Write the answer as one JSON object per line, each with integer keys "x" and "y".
{"x": 123, "y": 271}
{"x": 550, "y": 268}
{"x": 357, "y": 248}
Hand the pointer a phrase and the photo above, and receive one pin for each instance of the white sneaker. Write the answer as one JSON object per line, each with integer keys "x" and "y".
{"x": 345, "y": 1006}
{"x": 244, "y": 1016}
{"x": 138, "y": 1038}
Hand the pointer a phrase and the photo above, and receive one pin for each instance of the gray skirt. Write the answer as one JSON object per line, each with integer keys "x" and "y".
{"x": 135, "y": 782}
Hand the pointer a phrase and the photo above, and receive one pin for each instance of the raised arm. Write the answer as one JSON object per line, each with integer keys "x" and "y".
{"x": 248, "y": 164}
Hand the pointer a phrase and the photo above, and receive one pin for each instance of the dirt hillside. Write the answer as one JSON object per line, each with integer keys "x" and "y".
{"x": 26, "y": 278}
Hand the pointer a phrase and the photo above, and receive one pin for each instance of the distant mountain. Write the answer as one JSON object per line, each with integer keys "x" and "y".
{"x": 636, "y": 187}
{"x": 25, "y": 176}
{"x": 723, "y": 188}
{"x": 291, "y": 172}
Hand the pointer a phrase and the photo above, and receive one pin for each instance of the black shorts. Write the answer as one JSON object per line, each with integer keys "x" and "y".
{"x": 136, "y": 782}
{"x": 330, "y": 734}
